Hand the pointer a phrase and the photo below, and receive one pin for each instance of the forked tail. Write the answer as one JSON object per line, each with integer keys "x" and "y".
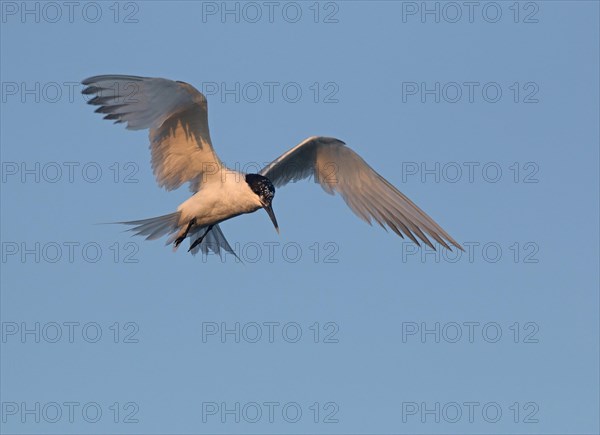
{"x": 156, "y": 227}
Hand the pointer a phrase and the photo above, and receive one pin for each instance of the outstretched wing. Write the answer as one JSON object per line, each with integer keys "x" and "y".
{"x": 176, "y": 114}
{"x": 339, "y": 169}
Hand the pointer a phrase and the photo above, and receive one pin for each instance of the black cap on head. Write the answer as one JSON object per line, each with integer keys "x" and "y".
{"x": 265, "y": 190}
{"x": 262, "y": 186}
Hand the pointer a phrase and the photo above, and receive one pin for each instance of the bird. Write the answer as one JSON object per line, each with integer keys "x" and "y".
{"x": 176, "y": 115}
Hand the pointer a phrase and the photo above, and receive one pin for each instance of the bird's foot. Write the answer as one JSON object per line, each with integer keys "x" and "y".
{"x": 181, "y": 238}
{"x": 178, "y": 241}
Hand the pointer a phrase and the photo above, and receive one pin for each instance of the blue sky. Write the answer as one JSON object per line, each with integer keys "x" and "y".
{"x": 486, "y": 116}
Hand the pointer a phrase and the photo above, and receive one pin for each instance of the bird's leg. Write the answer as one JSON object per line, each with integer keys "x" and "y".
{"x": 199, "y": 239}
{"x": 184, "y": 235}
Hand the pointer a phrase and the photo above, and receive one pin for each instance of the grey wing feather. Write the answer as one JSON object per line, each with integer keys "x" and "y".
{"x": 338, "y": 169}
{"x": 175, "y": 113}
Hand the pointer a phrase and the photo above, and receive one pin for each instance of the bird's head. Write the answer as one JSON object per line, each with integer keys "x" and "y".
{"x": 265, "y": 191}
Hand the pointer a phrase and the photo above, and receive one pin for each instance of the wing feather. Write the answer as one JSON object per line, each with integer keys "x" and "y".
{"x": 338, "y": 169}
{"x": 175, "y": 113}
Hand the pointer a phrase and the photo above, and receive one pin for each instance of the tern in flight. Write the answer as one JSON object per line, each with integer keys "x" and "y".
{"x": 176, "y": 114}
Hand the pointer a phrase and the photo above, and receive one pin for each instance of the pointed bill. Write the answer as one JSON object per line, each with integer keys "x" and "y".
{"x": 269, "y": 210}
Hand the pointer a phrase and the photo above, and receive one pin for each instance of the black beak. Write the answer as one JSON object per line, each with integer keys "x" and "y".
{"x": 269, "y": 209}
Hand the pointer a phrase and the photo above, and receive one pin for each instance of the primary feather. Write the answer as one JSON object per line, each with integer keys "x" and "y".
{"x": 338, "y": 169}
{"x": 176, "y": 114}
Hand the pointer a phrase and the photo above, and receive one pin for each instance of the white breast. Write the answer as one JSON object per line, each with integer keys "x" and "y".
{"x": 219, "y": 199}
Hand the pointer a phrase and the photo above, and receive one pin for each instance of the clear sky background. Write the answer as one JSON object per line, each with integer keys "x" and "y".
{"x": 513, "y": 324}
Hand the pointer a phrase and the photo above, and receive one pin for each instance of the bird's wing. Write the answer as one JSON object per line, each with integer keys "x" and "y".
{"x": 176, "y": 114}
{"x": 339, "y": 169}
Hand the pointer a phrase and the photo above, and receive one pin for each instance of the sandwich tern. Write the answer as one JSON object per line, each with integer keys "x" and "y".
{"x": 176, "y": 114}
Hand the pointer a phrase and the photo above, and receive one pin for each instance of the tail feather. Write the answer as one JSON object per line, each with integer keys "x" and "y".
{"x": 214, "y": 241}
{"x": 155, "y": 227}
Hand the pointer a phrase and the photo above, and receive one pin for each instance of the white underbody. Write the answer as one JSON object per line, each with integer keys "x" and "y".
{"x": 221, "y": 197}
